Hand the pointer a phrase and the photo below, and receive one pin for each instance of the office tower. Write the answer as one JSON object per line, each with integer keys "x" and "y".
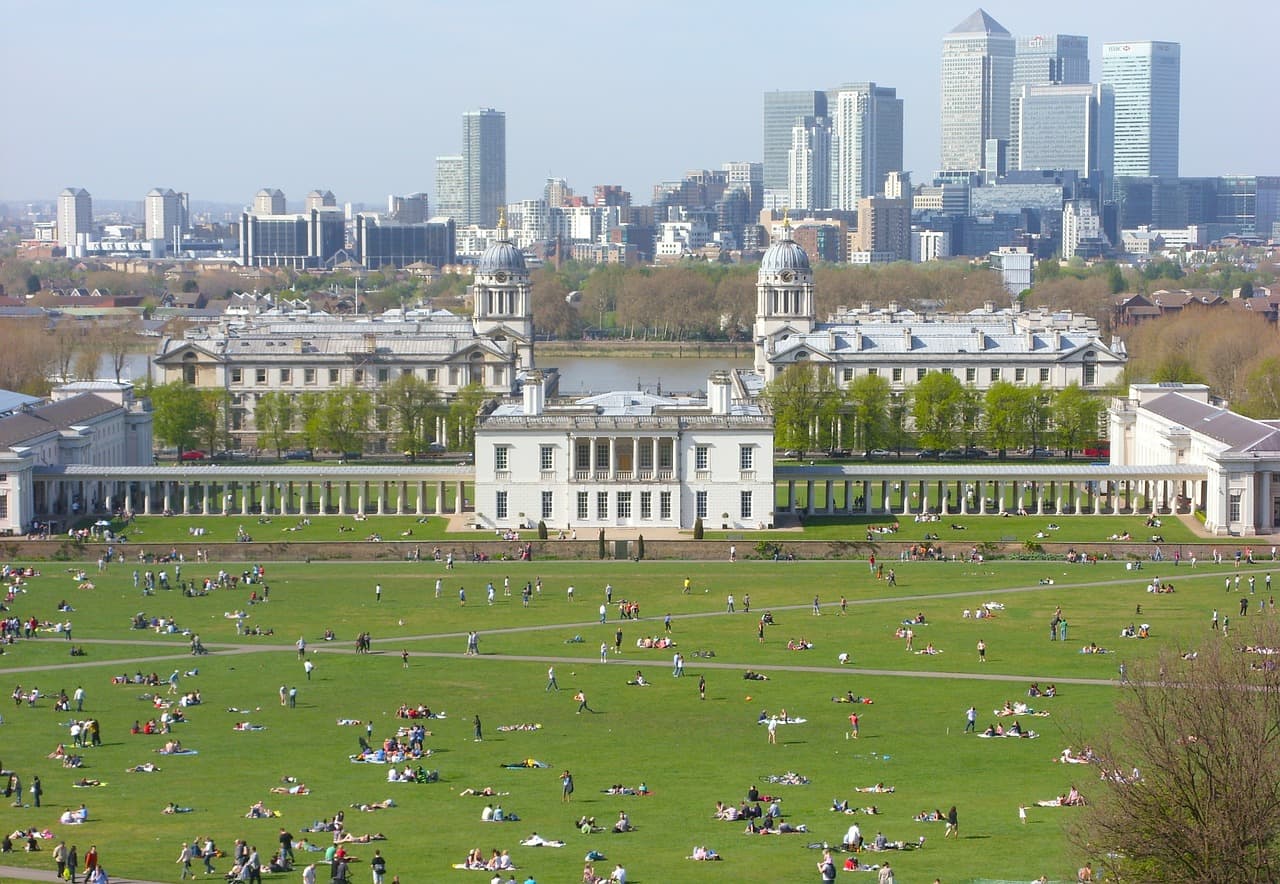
{"x": 412, "y": 209}
{"x": 809, "y": 164}
{"x": 321, "y": 199}
{"x": 269, "y": 202}
{"x": 75, "y": 215}
{"x": 897, "y": 186}
{"x": 610, "y": 195}
{"x": 747, "y": 177}
{"x": 450, "y": 188}
{"x": 1267, "y": 208}
{"x": 781, "y": 110}
{"x": 484, "y": 165}
{"x": 1060, "y": 126}
{"x": 866, "y": 140}
{"x": 1081, "y": 229}
{"x": 380, "y": 242}
{"x": 1044, "y": 58}
{"x": 164, "y": 216}
{"x": 977, "y": 71}
{"x": 1146, "y": 78}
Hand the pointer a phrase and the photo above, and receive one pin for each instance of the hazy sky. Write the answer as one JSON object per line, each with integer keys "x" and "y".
{"x": 221, "y": 98}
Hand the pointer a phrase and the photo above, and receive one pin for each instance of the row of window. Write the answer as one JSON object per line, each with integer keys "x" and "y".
{"x": 457, "y": 375}
{"x": 547, "y": 457}
{"x": 1020, "y": 375}
{"x": 622, "y": 502}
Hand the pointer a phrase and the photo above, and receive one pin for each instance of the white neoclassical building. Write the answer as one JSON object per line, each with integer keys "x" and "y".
{"x": 1177, "y": 424}
{"x": 94, "y": 423}
{"x": 1030, "y": 348}
{"x": 626, "y": 459}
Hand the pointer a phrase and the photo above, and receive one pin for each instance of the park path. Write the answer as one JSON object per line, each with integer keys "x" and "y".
{"x": 224, "y": 648}
{"x": 13, "y": 873}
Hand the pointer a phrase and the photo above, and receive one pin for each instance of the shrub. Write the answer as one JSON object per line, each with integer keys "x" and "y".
{"x": 542, "y": 530}
{"x": 640, "y": 547}
{"x": 697, "y": 529}
{"x": 603, "y": 552}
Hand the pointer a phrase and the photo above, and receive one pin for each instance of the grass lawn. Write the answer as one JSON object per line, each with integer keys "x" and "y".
{"x": 279, "y": 529}
{"x": 689, "y": 752}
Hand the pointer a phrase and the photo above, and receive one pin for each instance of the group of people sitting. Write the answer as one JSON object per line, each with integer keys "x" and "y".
{"x": 1143, "y": 631}
{"x": 1049, "y": 690}
{"x": 654, "y": 641}
{"x": 498, "y": 861}
{"x": 801, "y": 644}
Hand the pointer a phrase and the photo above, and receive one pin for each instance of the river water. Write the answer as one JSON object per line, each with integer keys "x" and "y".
{"x": 579, "y": 376}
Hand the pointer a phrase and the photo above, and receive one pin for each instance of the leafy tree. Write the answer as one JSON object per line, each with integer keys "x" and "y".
{"x": 797, "y": 397}
{"x": 414, "y": 403}
{"x": 1075, "y": 416}
{"x": 899, "y": 410}
{"x": 344, "y": 415}
{"x": 33, "y": 283}
{"x": 462, "y": 416}
{"x": 970, "y": 416}
{"x": 868, "y": 400}
{"x": 1004, "y": 408}
{"x": 937, "y": 400}
{"x": 311, "y": 413}
{"x": 1204, "y": 736}
{"x": 177, "y": 414}
{"x": 1035, "y": 416}
{"x": 273, "y": 415}
{"x": 211, "y": 427}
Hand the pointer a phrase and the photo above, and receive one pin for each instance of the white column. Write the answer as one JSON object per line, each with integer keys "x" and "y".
{"x": 422, "y": 498}
{"x": 440, "y": 498}
{"x": 831, "y": 498}
{"x": 906, "y": 497}
{"x": 808, "y": 499}
{"x": 791, "y": 495}
{"x": 461, "y": 497}
{"x": 344, "y": 491}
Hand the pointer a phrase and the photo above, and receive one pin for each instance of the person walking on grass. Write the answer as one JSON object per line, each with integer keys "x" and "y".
{"x": 953, "y": 824}
{"x": 184, "y": 860}
{"x": 982, "y": 651}
{"x": 551, "y": 679}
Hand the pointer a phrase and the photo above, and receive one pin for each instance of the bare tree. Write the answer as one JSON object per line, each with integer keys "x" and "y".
{"x": 1191, "y": 776}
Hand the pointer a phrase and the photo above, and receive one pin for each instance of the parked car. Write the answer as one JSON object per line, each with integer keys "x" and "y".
{"x": 927, "y": 453}
{"x": 879, "y": 452}
{"x": 791, "y": 452}
{"x": 193, "y": 454}
{"x": 976, "y": 453}
{"x": 1040, "y": 452}
{"x": 951, "y": 454}
{"x": 838, "y": 452}
{"x": 298, "y": 454}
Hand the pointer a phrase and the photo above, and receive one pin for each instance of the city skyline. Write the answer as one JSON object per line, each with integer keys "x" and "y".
{"x": 625, "y": 129}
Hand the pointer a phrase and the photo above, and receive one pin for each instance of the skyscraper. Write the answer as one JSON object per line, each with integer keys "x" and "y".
{"x": 866, "y": 141}
{"x": 781, "y": 110}
{"x": 75, "y": 215}
{"x": 269, "y": 202}
{"x": 451, "y": 189}
{"x": 165, "y": 215}
{"x": 484, "y": 165}
{"x": 1064, "y": 126}
{"x": 809, "y": 164}
{"x": 1040, "y": 59}
{"x": 1146, "y": 78}
{"x": 977, "y": 71}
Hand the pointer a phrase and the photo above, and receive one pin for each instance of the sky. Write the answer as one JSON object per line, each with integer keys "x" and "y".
{"x": 221, "y": 98}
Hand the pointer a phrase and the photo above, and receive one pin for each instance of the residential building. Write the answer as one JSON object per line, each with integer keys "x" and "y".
{"x": 320, "y": 199}
{"x": 930, "y": 245}
{"x": 977, "y": 73}
{"x": 412, "y": 209}
{"x": 809, "y": 164}
{"x": 1081, "y": 230}
{"x": 165, "y": 214}
{"x": 75, "y": 217}
{"x": 1016, "y": 269}
{"x": 626, "y": 459}
{"x": 1145, "y": 77}
{"x": 484, "y": 166}
{"x": 269, "y": 202}
{"x": 451, "y": 188}
{"x": 866, "y": 141}
{"x": 884, "y": 229}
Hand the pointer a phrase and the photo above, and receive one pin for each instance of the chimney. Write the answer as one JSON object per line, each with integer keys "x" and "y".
{"x": 979, "y": 340}
{"x": 534, "y": 395}
{"x": 370, "y": 342}
{"x": 989, "y": 306}
{"x": 719, "y": 392}
{"x": 857, "y": 340}
{"x": 906, "y": 338}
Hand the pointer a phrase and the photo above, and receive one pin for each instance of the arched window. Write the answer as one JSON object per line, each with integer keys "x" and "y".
{"x": 189, "y": 368}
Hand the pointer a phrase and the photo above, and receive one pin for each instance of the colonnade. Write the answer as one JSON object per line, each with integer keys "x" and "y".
{"x": 961, "y": 495}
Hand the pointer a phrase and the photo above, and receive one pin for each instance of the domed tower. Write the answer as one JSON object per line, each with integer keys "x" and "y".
{"x": 784, "y": 294}
{"x": 501, "y": 297}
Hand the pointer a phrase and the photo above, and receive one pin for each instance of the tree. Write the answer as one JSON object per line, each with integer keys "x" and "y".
{"x": 414, "y": 403}
{"x": 797, "y": 397}
{"x": 1005, "y": 404}
{"x": 1075, "y": 416}
{"x": 868, "y": 400}
{"x": 938, "y": 397}
{"x": 899, "y": 409}
{"x": 311, "y": 419}
{"x": 64, "y": 346}
{"x": 177, "y": 414}
{"x": 1035, "y": 416}
{"x": 118, "y": 343}
{"x": 211, "y": 427}
{"x": 462, "y": 415}
{"x": 273, "y": 415}
{"x": 344, "y": 416}
{"x": 1204, "y": 734}
{"x": 33, "y": 284}
{"x": 26, "y": 359}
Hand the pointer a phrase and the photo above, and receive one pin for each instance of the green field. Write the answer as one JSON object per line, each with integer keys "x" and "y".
{"x": 689, "y": 752}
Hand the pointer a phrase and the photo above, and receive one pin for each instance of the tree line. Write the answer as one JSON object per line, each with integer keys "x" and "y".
{"x": 408, "y": 413}
{"x": 812, "y": 412}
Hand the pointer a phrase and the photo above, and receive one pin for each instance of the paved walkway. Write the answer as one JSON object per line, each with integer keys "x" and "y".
{"x": 13, "y": 873}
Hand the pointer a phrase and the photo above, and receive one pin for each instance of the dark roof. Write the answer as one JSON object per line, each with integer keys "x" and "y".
{"x": 54, "y": 417}
{"x": 1242, "y": 434}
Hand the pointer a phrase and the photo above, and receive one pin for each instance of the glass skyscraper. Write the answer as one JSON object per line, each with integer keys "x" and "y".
{"x": 1064, "y": 126}
{"x": 977, "y": 72}
{"x": 1146, "y": 78}
{"x": 1040, "y": 59}
{"x": 781, "y": 112}
{"x": 484, "y": 166}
